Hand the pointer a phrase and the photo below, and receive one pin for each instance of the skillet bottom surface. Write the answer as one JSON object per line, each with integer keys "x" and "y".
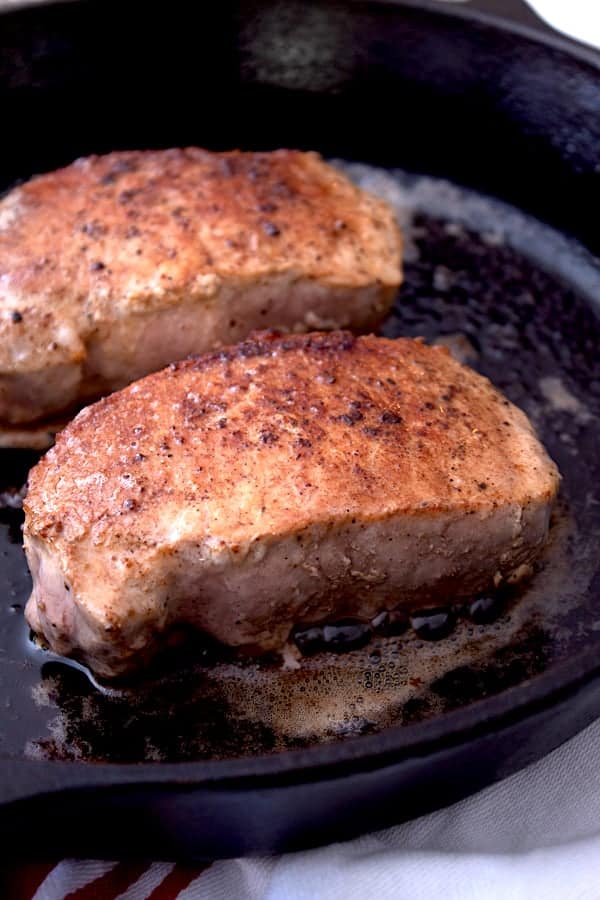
{"x": 513, "y": 299}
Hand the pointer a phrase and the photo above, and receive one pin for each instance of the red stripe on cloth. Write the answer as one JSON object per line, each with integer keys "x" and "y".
{"x": 20, "y": 882}
{"x": 177, "y": 880}
{"x": 109, "y": 885}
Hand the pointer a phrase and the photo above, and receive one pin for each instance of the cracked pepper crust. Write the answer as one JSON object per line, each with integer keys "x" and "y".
{"x": 116, "y": 265}
{"x": 385, "y": 453}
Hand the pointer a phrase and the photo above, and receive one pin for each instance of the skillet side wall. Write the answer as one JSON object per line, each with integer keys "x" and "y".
{"x": 383, "y": 83}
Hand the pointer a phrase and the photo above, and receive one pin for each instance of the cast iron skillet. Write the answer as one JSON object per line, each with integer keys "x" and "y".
{"x": 208, "y": 758}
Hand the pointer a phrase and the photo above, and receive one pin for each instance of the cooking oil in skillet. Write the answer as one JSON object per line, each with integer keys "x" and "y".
{"x": 524, "y": 319}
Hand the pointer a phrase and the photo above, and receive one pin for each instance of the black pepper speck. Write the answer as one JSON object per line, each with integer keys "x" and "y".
{"x": 390, "y": 418}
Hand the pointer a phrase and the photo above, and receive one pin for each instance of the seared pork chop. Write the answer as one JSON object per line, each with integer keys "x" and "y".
{"x": 283, "y": 481}
{"x": 116, "y": 265}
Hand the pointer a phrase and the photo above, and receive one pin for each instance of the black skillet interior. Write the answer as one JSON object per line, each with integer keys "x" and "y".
{"x": 257, "y": 752}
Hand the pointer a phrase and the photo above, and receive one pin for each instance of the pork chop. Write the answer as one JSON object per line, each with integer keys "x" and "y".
{"x": 116, "y": 265}
{"x": 286, "y": 480}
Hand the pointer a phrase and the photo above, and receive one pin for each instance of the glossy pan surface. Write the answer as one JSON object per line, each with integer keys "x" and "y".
{"x": 208, "y": 757}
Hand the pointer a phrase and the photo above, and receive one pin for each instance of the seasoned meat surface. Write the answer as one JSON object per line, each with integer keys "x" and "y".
{"x": 116, "y": 265}
{"x": 286, "y": 480}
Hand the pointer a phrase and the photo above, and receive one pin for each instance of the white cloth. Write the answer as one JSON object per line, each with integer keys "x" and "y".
{"x": 534, "y": 836}
{"x": 579, "y": 19}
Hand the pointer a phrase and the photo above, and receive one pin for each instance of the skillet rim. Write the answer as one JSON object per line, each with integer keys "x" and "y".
{"x": 533, "y": 28}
